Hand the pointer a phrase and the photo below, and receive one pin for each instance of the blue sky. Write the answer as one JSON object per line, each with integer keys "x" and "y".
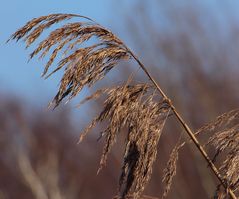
{"x": 19, "y": 77}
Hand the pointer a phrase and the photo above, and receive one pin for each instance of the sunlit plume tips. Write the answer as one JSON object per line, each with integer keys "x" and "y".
{"x": 83, "y": 65}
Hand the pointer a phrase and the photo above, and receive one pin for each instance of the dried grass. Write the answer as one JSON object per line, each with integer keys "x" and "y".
{"x": 132, "y": 107}
{"x": 170, "y": 170}
{"x": 135, "y": 107}
{"x": 83, "y": 66}
{"x": 221, "y": 121}
{"x": 225, "y": 140}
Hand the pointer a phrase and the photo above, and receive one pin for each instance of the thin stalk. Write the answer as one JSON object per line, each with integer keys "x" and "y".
{"x": 185, "y": 127}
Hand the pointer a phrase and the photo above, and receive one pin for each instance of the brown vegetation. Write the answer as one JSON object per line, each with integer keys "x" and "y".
{"x": 124, "y": 106}
{"x": 135, "y": 107}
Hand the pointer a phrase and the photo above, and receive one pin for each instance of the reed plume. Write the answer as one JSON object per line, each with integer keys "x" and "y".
{"x": 225, "y": 140}
{"x": 83, "y": 66}
{"x": 141, "y": 109}
{"x": 170, "y": 170}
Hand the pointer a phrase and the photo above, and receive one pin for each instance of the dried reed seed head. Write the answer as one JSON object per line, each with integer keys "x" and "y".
{"x": 170, "y": 170}
{"x": 36, "y": 22}
{"x": 127, "y": 106}
{"x": 83, "y": 66}
{"x": 144, "y": 131}
{"x": 230, "y": 170}
{"x": 221, "y": 121}
{"x": 225, "y": 140}
{"x": 117, "y": 106}
{"x": 115, "y": 96}
{"x": 132, "y": 107}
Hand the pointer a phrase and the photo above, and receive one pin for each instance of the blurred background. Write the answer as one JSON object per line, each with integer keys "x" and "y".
{"x": 191, "y": 48}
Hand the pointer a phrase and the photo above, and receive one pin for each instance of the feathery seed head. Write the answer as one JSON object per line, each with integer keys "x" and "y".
{"x": 83, "y": 66}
